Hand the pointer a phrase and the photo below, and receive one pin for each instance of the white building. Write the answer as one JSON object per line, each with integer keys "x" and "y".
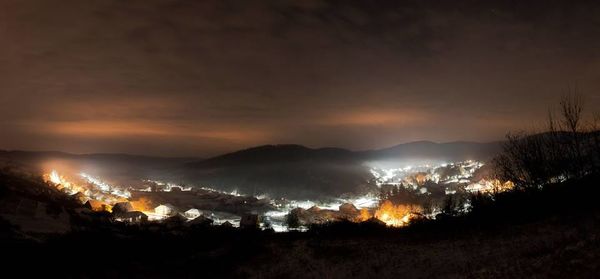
{"x": 192, "y": 213}
{"x": 165, "y": 209}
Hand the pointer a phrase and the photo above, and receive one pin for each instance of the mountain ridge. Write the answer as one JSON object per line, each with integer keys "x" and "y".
{"x": 273, "y": 153}
{"x": 266, "y": 147}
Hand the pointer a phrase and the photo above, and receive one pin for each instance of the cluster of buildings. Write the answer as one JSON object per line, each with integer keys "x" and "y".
{"x": 453, "y": 177}
{"x": 126, "y": 212}
{"x": 489, "y": 186}
{"x": 89, "y": 189}
{"x": 100, "y": 196}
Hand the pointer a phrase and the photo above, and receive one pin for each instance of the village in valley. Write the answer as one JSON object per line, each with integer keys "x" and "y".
{"x": 425, "y": 187}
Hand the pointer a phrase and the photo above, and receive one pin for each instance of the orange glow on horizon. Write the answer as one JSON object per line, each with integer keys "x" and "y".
{"x": 374, "y": 118}
{"x": 120, "y": 128}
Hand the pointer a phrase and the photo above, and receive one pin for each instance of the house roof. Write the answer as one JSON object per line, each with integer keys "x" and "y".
{"x": 166, "y": 205}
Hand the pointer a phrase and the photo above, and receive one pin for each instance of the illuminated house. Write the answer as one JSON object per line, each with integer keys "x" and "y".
{"x": 165, "y": 209}
{"x": 192, "y": 213}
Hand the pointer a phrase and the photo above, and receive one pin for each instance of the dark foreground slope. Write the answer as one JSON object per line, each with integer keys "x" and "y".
{"x": 552, "y": 248}
{"x": 551, "y": 240}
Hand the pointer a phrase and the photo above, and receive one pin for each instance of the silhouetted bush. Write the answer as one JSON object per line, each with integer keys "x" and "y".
{"x": 292, "y": 220}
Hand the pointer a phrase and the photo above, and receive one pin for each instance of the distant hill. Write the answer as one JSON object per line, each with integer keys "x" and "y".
{"x": 268, "y": 154}
{"x": 293, "y": 171}
{"x": 301, "y": 172}
{"x": 283, "y": 153}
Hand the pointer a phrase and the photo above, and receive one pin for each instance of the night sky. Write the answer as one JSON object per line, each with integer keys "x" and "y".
{"x": 198, "y": 78}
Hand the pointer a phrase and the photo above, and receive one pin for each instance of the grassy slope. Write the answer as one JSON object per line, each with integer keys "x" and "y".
{"x": 554, "y": 247}
{"x": 559, "y": 247}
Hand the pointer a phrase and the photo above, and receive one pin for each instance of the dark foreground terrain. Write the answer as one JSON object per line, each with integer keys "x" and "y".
{"x": 550, "y": 233}
{"x": 552, "y": 248}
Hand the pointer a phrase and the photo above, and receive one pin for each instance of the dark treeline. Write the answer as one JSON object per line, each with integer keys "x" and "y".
{"x": 555, "y": 171}
{"x": 568, "y": 148}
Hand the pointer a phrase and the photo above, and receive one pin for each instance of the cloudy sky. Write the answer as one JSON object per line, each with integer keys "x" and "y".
{"x": 198, "y": 78}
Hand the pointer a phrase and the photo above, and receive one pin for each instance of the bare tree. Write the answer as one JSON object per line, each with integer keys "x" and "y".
{"x": 568, "y": 149}
{"x": 571, "y": 106}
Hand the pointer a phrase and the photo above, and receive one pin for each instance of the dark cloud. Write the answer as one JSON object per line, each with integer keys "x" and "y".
{"x": 203, "y": 77}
